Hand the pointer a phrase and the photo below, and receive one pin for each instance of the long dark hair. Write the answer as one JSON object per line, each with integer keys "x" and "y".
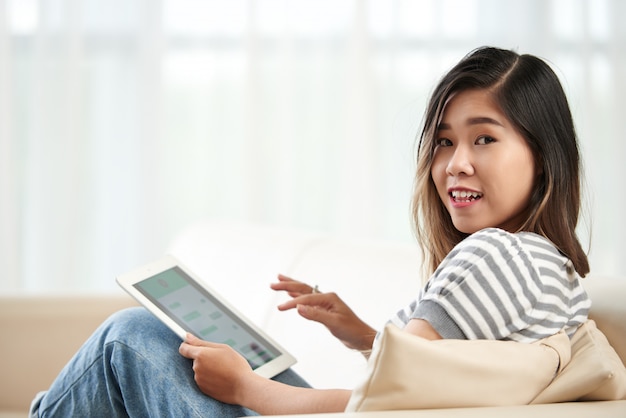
{"x": 530, "y": 95}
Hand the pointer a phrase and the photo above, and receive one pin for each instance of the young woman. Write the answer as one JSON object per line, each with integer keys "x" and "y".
{"x": 496, "y": 205}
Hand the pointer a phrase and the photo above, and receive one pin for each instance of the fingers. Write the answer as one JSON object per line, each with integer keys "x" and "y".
{"x": 189, "y": 351}
{"x": 318, "y": 300}
{"x": 193, "y": 340}
{"x": 193, "y": 346}
{"x": 298, "y": 300}
{"x": 293, "y": 287}
{"x": 284, "y": 278}
{"x": 314, "y": 313}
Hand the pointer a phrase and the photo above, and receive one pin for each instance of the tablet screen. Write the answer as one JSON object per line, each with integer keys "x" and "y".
{"x": 199, "y": 313}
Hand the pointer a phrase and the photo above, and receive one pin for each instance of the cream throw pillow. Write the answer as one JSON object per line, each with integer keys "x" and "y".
{"x": 410, "y": 372}
{"x": 595, "y": 373}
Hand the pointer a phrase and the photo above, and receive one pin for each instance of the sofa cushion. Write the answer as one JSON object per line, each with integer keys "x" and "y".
{"x": 608, "y": 309}
{"x": 595, "y": 372}
{"x": 409, "y": 372}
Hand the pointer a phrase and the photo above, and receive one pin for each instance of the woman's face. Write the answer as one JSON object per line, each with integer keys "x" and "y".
{"x": 482, "y": 167}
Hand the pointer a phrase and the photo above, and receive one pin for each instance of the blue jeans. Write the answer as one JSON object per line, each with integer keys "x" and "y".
{"x": 131, "y": 367}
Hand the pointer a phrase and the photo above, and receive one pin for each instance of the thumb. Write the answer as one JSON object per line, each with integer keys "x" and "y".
{"x": 192, "y": 339}
{"x": 198, "y": 342}
{"x": 189, "y": 351}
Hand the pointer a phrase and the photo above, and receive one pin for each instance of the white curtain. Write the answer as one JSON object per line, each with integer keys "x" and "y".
{"x": 123, "y": 121}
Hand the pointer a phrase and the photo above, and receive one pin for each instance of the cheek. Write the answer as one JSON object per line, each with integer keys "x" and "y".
{"x": 520, "y": 174}
{"x": 438, "y": 174}
{"x": 526, "y": 171}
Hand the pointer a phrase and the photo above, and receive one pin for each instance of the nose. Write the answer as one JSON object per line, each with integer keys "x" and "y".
{"x": 461, "y": 162}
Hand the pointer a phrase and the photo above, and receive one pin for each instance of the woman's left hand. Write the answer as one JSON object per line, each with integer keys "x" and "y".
{"x": 220, "y": 371}
{"x": 225, "y": 375}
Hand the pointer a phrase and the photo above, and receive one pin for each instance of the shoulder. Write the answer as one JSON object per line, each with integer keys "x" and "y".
{"x": 501, "y": 285}
{"x": 544, "y": 252}
{"x": 524, "y": 252}
{"x": 502, "y": 245}
{"x": 491, "y": 260}
{"x": 493, "y": 239}
{"x": 489, "y": 248}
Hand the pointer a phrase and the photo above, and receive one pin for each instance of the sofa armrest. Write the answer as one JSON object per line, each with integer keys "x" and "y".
{"x": 39, "y": 336}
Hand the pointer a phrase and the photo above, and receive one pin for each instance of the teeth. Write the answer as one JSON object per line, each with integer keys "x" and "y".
{"x": 465, "y": 195}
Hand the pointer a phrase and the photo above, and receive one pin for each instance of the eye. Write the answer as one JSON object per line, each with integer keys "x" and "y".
{"x": 443, "y": 142}
{"x": 484, "y": 140}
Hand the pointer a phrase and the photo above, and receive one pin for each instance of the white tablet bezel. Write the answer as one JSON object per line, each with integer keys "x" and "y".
{"x": 127, "y": 281}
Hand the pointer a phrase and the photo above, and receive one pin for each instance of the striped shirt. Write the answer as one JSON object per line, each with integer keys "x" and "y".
{"x": 501, "y": 286}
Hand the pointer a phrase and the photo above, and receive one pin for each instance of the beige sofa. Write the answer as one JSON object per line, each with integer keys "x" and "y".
{"x": 40, "y": 333}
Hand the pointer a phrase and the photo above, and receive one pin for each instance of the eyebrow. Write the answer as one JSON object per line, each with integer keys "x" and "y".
{"x": 480, "y": 120}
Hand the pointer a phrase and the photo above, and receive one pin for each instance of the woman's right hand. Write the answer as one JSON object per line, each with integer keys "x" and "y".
{"x": 327, "y": 309}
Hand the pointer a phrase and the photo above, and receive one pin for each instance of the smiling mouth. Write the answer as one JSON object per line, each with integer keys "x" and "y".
{"x": 465, "y": 196}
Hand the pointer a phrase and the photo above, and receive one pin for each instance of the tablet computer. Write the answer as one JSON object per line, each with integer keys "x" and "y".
{"x": 185, "y": 304}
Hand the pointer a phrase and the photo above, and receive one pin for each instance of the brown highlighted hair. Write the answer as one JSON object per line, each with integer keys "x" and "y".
{"x": 530, "y": 95}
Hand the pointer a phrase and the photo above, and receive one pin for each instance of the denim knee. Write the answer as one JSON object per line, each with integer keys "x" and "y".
{"x": 137, "y": 327}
